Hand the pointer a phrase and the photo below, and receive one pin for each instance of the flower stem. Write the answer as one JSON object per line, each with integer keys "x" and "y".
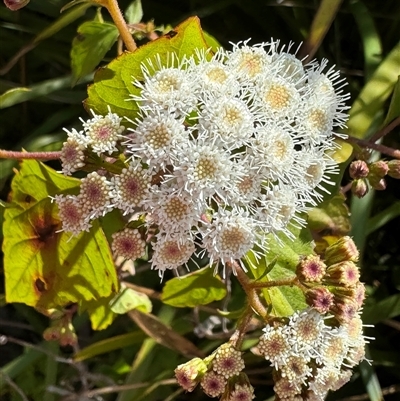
{"x": 119, "y": 21}
{"x": 244, "y": 321}
{"x": 274, "y": 283}
{"x": 11, "y": 154}
{"x": 385, "y": 130}
{"x": 375, "y": 146}
{"x": 252, "y": 296}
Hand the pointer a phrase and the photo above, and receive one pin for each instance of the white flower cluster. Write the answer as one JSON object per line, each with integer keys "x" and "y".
{"x": 311, "y": 356}
{"x": 227, "y": 149}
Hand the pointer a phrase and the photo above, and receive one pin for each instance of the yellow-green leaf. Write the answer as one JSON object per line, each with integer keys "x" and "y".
{"x": 128, "y": 299}
{"x": 198, "y": 288}
{"x": 113, "y": 84}
{"x": 44, "y": 267}
{"x": 374, "y": 94}
{"x": 331, "y": 217}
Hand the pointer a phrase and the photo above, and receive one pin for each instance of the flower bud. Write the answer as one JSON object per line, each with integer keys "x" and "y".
{"x": 378, "y": 184}
{"x": 359, "y": 188}
{"x": 52, "y": 333}
{"x": 15, "y": 5}
{"x": 238, "y": 389}
{"x": 311, "y": 269}
{"x": 378, "y": 169}
{"x": 360, "y": 294}
{"x": 67, "y": 334}
{"x": 342, "y": 250}
{"x": 320, "y": 298}
{"x": 344, "y": 309}
{"x": 213, "y": 384}
{"x": 68, "y": 338}
{"x": 394, "y": 169}
{"x": 189, "y": 374}
{"x": 343, "y": 274}
{"x": 358, "y": 169}
{"x": 228, "y": 361}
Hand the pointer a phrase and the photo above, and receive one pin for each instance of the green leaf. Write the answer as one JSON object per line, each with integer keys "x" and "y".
{"x": 330, "y": 217}
{"x": 212, "y": 43}
{"x": 110, "y": 344}
{"x": 323, "y": 19}
{"x": 128, "y": 299}
{"x": 19, "y": 95}
{"x": 134, "y": 12}
{"x": 100, "y": 313}
{"x": 386, "y": 309}
{"x": 113, "y": 84}
{"x": 44, "y": 267}
{"x": 374, "y": 94}
{"x": 93, "y": 41}
{"x": 369, "y": 35}
{"x": 285, "y": 254}
{"x": 394, "y": 108}
{"x": 64, "y": 20}
{"x": 198, "y": 288}
{"x": 383, "y": 217}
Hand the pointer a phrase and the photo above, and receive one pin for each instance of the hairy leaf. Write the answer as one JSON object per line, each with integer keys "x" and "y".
{"x": 284, "y": 253}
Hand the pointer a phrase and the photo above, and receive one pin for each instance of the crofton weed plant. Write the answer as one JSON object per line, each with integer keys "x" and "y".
{"x": 210, "y": 166}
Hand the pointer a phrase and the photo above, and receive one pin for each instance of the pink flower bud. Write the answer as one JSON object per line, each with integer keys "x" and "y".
{"x": 378, "y": 184}
{"x": 311, "y": 269}
{"x": 358, "y": 169}
{"x": 320, "y": 299}
{"x": 359, "y": 188}
{"x": 394, "y": 169}
{"x": 52, "y": 333}
{"x": 189, "y": 374}
{"x": 15, "y": 5}
{"x": 379, "y": 169}
{"x": 342, "y": 250}
{"x": 343, "y": 274}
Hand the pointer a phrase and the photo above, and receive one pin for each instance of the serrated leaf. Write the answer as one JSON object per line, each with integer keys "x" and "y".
{"x": 113, "y": 84}
{"x": 284, "y": 300}
{"x": 93, "y": 41}
{"x": 198, "y": 288}
{"x": 134, "y": 12}
{"x": 43, "y": 267}
{"x": 128, "y": 299}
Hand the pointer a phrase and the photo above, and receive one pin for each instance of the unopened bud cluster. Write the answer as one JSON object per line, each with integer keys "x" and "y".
{"x": 313, "y": 351}
{"x": 226, "y": 149}
{"x": 333, "y": 285}
{"x": 373, "y": 175}
{"x": 219, "y": 375}
{"x": 62, "y": 331}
